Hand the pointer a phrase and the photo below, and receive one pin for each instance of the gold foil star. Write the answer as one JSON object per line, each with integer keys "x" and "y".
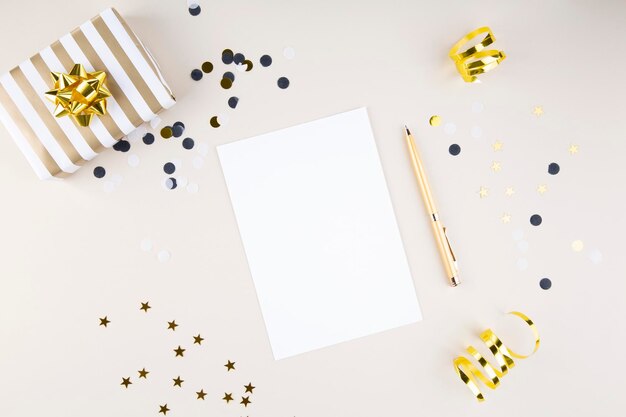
{"x": 179, "y": 351}
{"x": 496, "y": 166}
{"x": 509, "y": 191}
{"x": 245, "y": 401}
{"x": 143, "y": 373}
{"x": 249, "y": 387}
{"x": 126, "y": 382}
{"x": 542, "y": 189}
{"x": 201, "y": 394}
{"x": 573, "y": 149}
{"x": 198, "y": 339}
{"x": 230, "y": 366}
{"x": 178, "y": 382}
{"x": 538, "y": 111}
{"x": 228, "y": 397}
{"x": 163, "y": 409}
{"x": 104, "y": 321}
{"x": 506, "y": 218}
{"x": 483, "y": 192}
{"x": 79, "y": 94}
{"x": 172, "y": 325}
{"x": 497, "y": 146}
{"x": 145, "y": 306}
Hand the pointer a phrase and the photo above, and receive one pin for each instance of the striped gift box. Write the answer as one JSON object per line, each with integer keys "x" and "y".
{"x": 58, "y": 146}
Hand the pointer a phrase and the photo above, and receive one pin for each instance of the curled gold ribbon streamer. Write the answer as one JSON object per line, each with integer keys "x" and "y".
{"x": 79, "y": 94}
{"x": 503, "y": 355}
{"x": 476, "y": 60}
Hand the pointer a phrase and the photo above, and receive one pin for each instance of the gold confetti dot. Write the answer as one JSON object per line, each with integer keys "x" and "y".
{"x": 167, "y": 132}
{"x": 577, "y": 245}
{"x": 435, "y": 121}
{"x": 226, "y": 83}
{"x": 214, "y": 122}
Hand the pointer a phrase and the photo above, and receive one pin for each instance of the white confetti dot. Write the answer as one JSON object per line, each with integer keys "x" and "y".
{"x": 522, "y": 245}
{"x": 595, "y": 256}
{"x": 138, "y": 133}
{"x": 578, "y": 245}
{"x": 169, "y": 183}
{"x": 223, "y": 119}
{"x": 241, "y": 67}
{"x": 203, "y": 149}
{"x": 522, "y": 264}
{"x": 198, "y": 161}
{"x": 133, "y": 161}
{"x": 477, "y": 107}
{"x": 146, "y": 245}
{"x": 155, "y": 122}
{"x": 476, "y": 132}
{"x": 449, "y": 128}
{"x": 117, "y": 179}
{"x": 192, "y": 188}
{"x": 182, "y": 181}
{"x": 518, "y": 234}
{"x": 109, "y": 186}
{"x": 164, "y": 256}
{"x": 289, "y": 52}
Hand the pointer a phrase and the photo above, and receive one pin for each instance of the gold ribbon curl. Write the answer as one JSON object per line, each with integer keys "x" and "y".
{"x": 503, "y": 355}
{"x": 475, "y": 60}
{"x": 79, "y": 94}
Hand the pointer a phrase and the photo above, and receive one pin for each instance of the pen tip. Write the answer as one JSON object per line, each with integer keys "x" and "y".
{"x": 408, "y": 132}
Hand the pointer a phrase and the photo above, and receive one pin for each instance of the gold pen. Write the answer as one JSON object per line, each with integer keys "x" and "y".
{"x": 449, "y": 261}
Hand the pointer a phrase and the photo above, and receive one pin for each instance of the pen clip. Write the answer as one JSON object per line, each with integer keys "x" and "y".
{"x": 445, "y": 233}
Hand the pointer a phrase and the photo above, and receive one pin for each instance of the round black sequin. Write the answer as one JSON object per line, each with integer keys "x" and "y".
{"x": 171, "y": 183}
{"x": 227, "y": 56}
{"x": 229, "y": 75}
{"x": 195, "y": 11}
{"x": 177, "y": 131}
{"x": 207, "y": 67}
{"x": 553, "y": 168}
{"x": 266, "y": 60}
{"x": 196, "y": 74}
{"x": 122, "y": 146}
{"x": 188, "y": 143}
{"x": 169, "y": 168}
{"x": 545, "y": 283}
{"x": 233, "y": 101}
{"x": 181, "y": 124}
{"x": 99, "y": 172}
{"x": 283, "y": 82}
{"x": 454, "y": 149}
{"x": 535, "y": 220}
{"x": 148, "y": 138}
{"x": 238, "y": 58}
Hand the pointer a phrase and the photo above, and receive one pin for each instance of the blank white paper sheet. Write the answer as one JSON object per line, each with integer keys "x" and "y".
{"x": 320, "y": 233}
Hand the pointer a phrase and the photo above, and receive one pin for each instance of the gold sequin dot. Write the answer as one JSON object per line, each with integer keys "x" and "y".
{"x": 214, "y": 122}
{"x": 577, "y": 245}
{"x": 435, "y": 121}
{"x": 226, "y": 83}
{"x": 167, "y": 132}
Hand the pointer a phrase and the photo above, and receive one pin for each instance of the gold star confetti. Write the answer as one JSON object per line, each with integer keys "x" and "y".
{"x": 143, "y": 373}
{"x": 249, "y": 387}
{"x": 496, "y": 166}
{"x": 198, "y": 339}
{"x": 573, "y": 149}
{"x": 201, "y": 394}
{"x": 145, "y": 306}
{"x": 435, "y": 121}
{"x": 179, "y": 351}
{"x": 230, "y": 366}
{"x": 104, "y": 321}
{"x": 163, "y": 409}
{"x": 542, "y": 189}
{"x": 126, "y": 382}
{"x": 245, "y": 401}
{"x": 509, "y": 191}
{"x": 172, "y": 325}
{"x": 483, "y": 192}
{"x": 538, "y": 111}
{"x": 506, "y": 218}
{"x": 497, "y": 146}
{"x": 178, "y": 382}
{"x": 228, "y": 397}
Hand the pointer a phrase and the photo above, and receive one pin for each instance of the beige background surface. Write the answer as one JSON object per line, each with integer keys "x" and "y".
{"x": 71, "y": 251}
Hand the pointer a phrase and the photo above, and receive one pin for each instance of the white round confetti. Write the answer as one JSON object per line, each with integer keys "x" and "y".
{"x": 163, "y": 256}
{"x": 109, "y": 186}
{"x": 595, "y": 256}
{"x": 133, "y": 160}
{"x": 198, "y": 161}
{"x": 192, "y": 188}
{"x": 222, "y": 119}
{"x": 522, "y": 245}
{"x": 518, "y": 234}
{"x": 117, "y": 179}
{"x": 178, "y": 163}
{"x": 138, "y": 133}
{"x": 449, "y": 128}
{"x": 477, "y": 107}
{"x": 522, "y": 264}
{"x": 155, "y": 122}
{"x": 578, "y": 245}
{"x": 182, "y": 181}
{"x": 289, "y": 52}
{"x": 203, "y": 149}
{"x": 169, "y": 183}
{"x": 146, "y": 245}
{"x": 241, "y": 67}
{"x": 476, "y": 132}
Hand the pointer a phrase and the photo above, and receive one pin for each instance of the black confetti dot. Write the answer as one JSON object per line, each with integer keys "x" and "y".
{"x": 207, "y": 67}
{"x": 169, "y": 168}
{"x": 181, "y": 124}
{"x": 188, "y": 143}
{"x": 535, "y": 220}
{"x": 227, "y": 56}
{"x": 167, "y": 132}
{"x": 553, "y": 168}
{"x": 171, "y": 183}
{"x": 545, "y": 283}
{"x": 148, "y": 138}
{"x": 122, "y": 146}
{"x": 226, "y": 83}
{"x": 454, "y": 149}
{"x": 266, "y": 60}
{"x": 238, "y": 58}
{"x": 177, "y": 131}
{"x": 99, "y": 172}
{"x": 196, "y": 74}
{"x": 195, "y": 11}
{"x": 283, "y": 82}
{"x": 233, "y": 101}
{"x": 229, "y": 75}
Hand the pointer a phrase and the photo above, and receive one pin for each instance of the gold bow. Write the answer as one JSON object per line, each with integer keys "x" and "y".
{"x": 476, "y": 60}
{"x": 79, "y": 94}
